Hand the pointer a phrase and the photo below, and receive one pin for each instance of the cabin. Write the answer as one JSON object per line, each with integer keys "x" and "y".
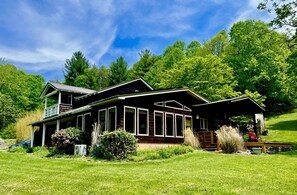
{"x": 153, "y": 116}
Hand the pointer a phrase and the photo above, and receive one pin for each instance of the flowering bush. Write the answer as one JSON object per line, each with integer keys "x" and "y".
{"x": 65, "y": 139}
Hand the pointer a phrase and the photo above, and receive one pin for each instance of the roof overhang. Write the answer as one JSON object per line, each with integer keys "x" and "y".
{"x": 242, "y": 106}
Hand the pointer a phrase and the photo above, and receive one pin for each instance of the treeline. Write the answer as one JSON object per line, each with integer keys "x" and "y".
{"x": 250, "y": 60}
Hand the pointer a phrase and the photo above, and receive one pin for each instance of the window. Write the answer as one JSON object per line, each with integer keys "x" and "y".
{"x": 79, "y": 122}
{"x": 169, "y": 125}
{"x": 87, "y": 122}
{"x": 179, "y": 125}
{"x": 66, "y": 98}
{"x": 102, "y": 120}
{"x": 173, "y": 104}
{"x": 188, "y": 122}
{"x": 83, "y": 122}
{"x": 143, "y": 122}
{"x": 130, "y": 119}
{"x": 159, "y": 123}
{"x": 203, "y": 123}
{"x": 112, "y": 119}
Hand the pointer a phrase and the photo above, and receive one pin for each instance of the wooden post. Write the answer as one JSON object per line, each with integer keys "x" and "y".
{"x": 58, "y": 125}
{"x": 32, "y": 137}
{"x": 43, "y": 134}
{"x": 211, "y": 136}
{"x": 59, "y": 102}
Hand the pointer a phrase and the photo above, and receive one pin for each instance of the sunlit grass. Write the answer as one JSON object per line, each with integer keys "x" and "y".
{"x": 195, "y": 173}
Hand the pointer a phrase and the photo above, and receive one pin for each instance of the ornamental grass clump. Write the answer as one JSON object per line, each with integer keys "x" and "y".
{"x": 65, "y": 139}
{"x": 190, "y": 139}
{"x": 230, "y": 140}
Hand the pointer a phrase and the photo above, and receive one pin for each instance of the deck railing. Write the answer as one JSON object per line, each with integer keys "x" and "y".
{"x": 51, "y": 111}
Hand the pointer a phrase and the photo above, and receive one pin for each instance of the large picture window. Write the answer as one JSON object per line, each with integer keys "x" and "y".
{"x": 169, "y": 121}
{"x": 112, "y": 119}
{"x": 143, "y": 122}
{"x": 130, "y": 120}
{"x": 79, "y": 122}
{"x": 83, "y": 122}
{"x": 159, "y": 123}
{"x": 102, "y": 120}
{"x": 179, "y": 125}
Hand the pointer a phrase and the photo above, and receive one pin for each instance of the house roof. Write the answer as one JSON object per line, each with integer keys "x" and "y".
{"x": 243, "y": 105}
{"x": 65, "y": 88}
{"x": 115, "y": 86}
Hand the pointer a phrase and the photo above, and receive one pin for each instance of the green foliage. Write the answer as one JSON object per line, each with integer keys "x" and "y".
{"x": 230, "y": 140}
{"x": 8, "y": 111}
{"x": 18, "y": 149}
{"x": 9, "y": 132}
{"x": 244, "y": 123}
{"x": 162, "y": 153}
{"x": 118, "y": 71}
{"x": 260, "y": 99}
{"x": 75, "y": 67}
{"x": 208, "y": 76}
{"x": 192, "y": 48}
{"x": 117, "y": 144}
{"x": 65, "y": 139}
{"x": 258, "y": 56}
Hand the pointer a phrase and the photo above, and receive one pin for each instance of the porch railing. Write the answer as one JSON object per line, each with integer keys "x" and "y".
{"x": 51, "y": 111}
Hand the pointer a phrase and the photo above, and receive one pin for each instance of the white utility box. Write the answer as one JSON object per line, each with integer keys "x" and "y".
{"x": 80, "y": 149}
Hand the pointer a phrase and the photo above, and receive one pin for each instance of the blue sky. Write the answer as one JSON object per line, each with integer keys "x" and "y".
{"x": 38, "y": 36}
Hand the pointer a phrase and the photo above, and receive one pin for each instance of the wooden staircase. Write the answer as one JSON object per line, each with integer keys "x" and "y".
{"x": 207, "y": 139}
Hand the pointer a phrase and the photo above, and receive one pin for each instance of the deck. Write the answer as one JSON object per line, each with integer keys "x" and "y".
{"x": 263, "y": 145}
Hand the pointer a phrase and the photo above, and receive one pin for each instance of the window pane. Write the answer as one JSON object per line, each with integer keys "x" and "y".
{"x": 179, "y": 125}
{"x": 111, "y": 119}
{"x": 169, "y": 125}
{"x": 130, "y": 120}
{"x": 65, "y": 98}
{"x": 188, "y": 122}
{"x": 159, "y": 128}
{"x": 143, "y": 122}
{"x": 102, "y": 119}
{"x": 88, "y": 123}
{"x": 79, "y": 122}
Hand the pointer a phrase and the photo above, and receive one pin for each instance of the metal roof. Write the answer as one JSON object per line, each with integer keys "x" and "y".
{"x": 69, "y": 88}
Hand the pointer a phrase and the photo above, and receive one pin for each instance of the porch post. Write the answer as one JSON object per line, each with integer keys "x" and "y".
{"x": 43, "y": 134}
{"x": 59, "y": 102}
{"x": 255, "y": 124}
{"x": 58, "y": 125}
{"x": 32, "y": 137}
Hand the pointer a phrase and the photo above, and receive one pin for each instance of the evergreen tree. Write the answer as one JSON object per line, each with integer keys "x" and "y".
{"x": 118, "y": 71}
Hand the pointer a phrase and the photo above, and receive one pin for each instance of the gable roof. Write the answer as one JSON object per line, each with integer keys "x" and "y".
{"x": 115, "y": 86}
{"x": 65, "y": 88}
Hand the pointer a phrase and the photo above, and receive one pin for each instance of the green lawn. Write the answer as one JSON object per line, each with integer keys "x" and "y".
{"x": 282, "y": 128}
{"x": 195, "y": 173}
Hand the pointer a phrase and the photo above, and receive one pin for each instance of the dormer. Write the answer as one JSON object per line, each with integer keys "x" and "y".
{"x": 59, "y": 98}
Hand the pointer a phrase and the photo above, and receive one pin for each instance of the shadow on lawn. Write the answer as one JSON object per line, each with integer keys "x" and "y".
{"x": 284, "y": 125}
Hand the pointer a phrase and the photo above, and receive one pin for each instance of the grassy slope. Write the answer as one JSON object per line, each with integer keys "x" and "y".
{"x": 282, "y": 128}
{"x": 201, "y": 172}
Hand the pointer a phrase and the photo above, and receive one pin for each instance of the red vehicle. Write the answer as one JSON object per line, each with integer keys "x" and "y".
{"x": 253, "y": 137}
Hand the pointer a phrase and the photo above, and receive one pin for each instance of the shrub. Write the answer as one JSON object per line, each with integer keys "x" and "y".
{"x": 8, "y": 132}
{"x": 65, "y": 139}
{"x": 190, "y": 139}
{"x": 17, "y": 149}
{"x": 117, "y": 144}
{"x": 230, "y": 140}
{"x": 163, "y": 153}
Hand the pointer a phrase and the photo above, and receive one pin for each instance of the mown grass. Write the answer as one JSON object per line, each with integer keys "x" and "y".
{"x": 282, "y": 128}
{"x": 194, "y": 173}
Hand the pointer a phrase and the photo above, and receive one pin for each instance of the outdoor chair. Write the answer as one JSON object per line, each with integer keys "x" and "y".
{"x": 253, "y": 137}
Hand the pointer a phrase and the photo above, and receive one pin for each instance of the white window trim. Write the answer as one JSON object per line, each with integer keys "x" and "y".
{"x": 187, "y": 109}
{"x": 204, "y": 122}
{"x": 147, "y": 126}
{"x": 135, "y": 128}
{"x": 169, "y": 113}
{"x": 82, "y": 121}
{"x": 115, "y": 125}
{"x": 159, "y": 104}
{"x": 182, "y": 106}
{"x": 188, "y": 116}
{"x": 175, "y": 129}
{"x": 105, "y": 121}
{"x": 163, "y": 130}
